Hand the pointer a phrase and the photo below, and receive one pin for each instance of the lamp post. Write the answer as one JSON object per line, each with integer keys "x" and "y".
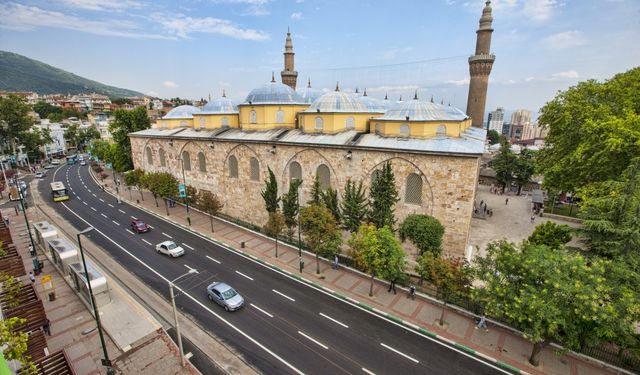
{"x": 300, "y": 262}
{"x": 32, "y": 251}
{"x": 175, "y": 312}
{"x": 106, "y": 362}
{"x": 184, "y": 181}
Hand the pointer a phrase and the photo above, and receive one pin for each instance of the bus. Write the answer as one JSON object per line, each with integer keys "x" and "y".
{"x": 71, "y": 159}
{"x": 59, "y": 192}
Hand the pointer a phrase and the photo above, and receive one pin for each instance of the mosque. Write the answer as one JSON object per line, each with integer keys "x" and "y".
{"x": 226, "y": 147}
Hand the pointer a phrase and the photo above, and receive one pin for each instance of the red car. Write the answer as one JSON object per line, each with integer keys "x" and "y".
{"x": 139, "y": 226}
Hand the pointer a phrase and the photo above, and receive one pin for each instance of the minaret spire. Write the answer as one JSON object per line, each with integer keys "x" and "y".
{"x": 415, "y": 96}
{"x": 309, "y": 83}
{"x": 480, "y": 66}
{"x": 224, "y": 93}
{"x": 289, "y": 75}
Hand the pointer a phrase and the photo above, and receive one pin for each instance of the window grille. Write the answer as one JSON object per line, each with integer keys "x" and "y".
{"x": 253, "y": 117}
{"x": 149, "y": 155}
{"x": 279, "y": 117}
{"x": 233, "y": 167}
{"x": 404, "y": 130}
{"x": 413, "y": 194}
{"x": 162, "y": 157}
{"x": 319, "y": 123}
{"x": 350, "y": 123}
{"x": 295, "y": 171}
{"x": 186, "y": 160}
{"x": 224, "y": 122}
{"x": 324, "y": 175}
{"x": 254, "y": 169}
{"x": 202, "y": 162}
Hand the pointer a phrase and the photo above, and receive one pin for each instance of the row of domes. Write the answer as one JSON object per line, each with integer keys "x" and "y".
{"x": 334, "y": 101}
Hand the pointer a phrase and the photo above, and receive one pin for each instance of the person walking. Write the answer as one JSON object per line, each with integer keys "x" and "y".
{"x": 506, "y": 201}
{"x": 32, "y": 277}
{"x": 482, "y": 323}
{"x": 412, "y": 292}
{"x": 392, "y": 286}
{"x": 46, "y": 327}
{"x": 336, "y": 261}
{"x": 533, "y": 218}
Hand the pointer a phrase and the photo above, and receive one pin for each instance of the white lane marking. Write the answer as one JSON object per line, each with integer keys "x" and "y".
{"x": 130, "y": 232}
{"x": 132, "y": 217}
{"x": 335, "y": 321}
{"x": 215, "y": 260}
{"x": 101, "y": 200}
{"x": 110, "y": 205}
{"x": 196, "y": 271}
{"x": 95, "y": 196}
{"x": 115, "y": 222}
{"x": 243, "y": 275}
{"x": 399, "y": 352}
{"x": 187, "y": 246}
{"x": 166, "y": 235}
{"x": 203, "y": 306}
{"x": 284, "y": 295}
{"x": 71, "y": 189}
{"x": 89, "y": 190}
{"x": 150, "y": 226}
{"x": 103, "y": 215}
{"x": 122, "y": 211}
{"x": 145, "y": 241}
{"x": 85, "y": 203}
{"x": 262, "y": 311}
{"x": 314, "y": 340}
{"x": 368, "y": 372}
{"x": 94, "y": 209}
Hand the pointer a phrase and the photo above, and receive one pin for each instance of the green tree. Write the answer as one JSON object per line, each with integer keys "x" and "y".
{"x": 377, "y": 252}
{"x": 383, "y": 196}
{"x": 330, "y": 201}
{"x": 87, "y": 135}
{"x": 126, "y": 122}
{"x": 192, "y": 196}
{"x": 72, "y": 134}
{"x": 274, "y": 226}
{"x": 34, "y": 139}
{"x": 316, "y": 192}
{"x": 270, "y": 193}
{"x": 450, "y": 276}
{"x": 551, "y": 234}
{"x": 553, "y": 295}
{"x": 100, "y": 149}
{"x": 15, "y": 341}
{"x": 161, "y": 184}
{"x": 424, "y": 231}
{"x": 505, "y": 164}
{"x": 493, "y": 137}
{"x": 14, "y": 119}
{"x": 353, "y": 206}
{"x": 209, "y": 203}
{"x": 43, "y": 109}
{"x": 136, "y": 178}
{"x": 321, "y": 231}
{"x": 524, "y": 168}
{"x": 291, "y": 206}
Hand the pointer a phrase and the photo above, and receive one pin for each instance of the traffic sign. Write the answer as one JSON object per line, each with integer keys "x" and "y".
{"x": 182, "y": 190}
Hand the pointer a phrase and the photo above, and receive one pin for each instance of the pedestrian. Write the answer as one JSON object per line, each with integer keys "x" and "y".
{"x": 491, "y": 212}
{"x": 6, "y": 220}
{"x": 506, "y": 201}
{"x": 46, "y": 327}
{"x": 32, "y": 277}
{"x": 482, "y": 323}
{"x": 335, "y": 262}
{"x": 533, "y": 218}
{"x": 412, "y": 292}
{"x": 392, "y": 286}
{"x": 481, "y": 203}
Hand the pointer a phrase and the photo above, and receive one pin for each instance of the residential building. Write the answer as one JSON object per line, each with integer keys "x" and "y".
{"x": 495, "y": 120}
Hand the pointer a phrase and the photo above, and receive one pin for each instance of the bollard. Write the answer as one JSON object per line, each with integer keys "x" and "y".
{"x": 137, "y": 201}
{"x": 242, "y": 244}
{"x": 301, "y": 265}
{"x": 189, "y": 221}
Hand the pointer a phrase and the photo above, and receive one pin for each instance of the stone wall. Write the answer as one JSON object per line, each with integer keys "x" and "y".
{"x": 448, "y": 182}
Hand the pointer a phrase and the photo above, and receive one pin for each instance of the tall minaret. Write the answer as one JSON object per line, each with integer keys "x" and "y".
{"x": 480, "y": 66}
{"x": 289, "y": 76}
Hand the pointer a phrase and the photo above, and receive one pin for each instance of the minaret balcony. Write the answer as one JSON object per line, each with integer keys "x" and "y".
{"x": 482, "y": 57}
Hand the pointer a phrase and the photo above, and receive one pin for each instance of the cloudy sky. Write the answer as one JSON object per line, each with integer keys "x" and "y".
{"x": 193, "y": 48}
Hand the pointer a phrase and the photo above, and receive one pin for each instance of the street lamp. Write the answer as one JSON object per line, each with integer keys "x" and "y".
{"x": 32, "y": 251}
{"x": 106, "y": 362}
{"x": 184, "y": 181}
{"x": 300, "y": 262}
{"x": 175, "y": 312}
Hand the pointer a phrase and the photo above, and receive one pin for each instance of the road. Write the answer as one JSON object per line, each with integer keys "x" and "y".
{"x": 285, "y": 327}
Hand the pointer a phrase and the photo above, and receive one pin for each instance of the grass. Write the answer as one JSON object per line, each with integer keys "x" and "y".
{"x": 561, "y": 209}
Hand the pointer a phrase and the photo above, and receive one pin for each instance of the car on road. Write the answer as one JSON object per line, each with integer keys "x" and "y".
{"x": 225, "y": 296}
{"x": 41, "y": 174}
{"x": 49, "y": 166}
{"x": 83, "y": 162}
{"x": 55, "y": 162}
{"x": 169, "y": 248}
{"x": 139, "y": 226}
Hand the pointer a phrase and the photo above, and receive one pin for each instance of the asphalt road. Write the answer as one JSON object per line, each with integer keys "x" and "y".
{"x": 285, "y": 326}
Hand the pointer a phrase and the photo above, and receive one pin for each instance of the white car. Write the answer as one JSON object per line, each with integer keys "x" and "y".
{"x": 40, "y": 174}
{"x": 55, "y": 162}
{"x": 169, "y": 248}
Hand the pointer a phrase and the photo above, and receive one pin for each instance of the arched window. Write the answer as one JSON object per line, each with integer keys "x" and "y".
{"x": 149, "y": 155}
{"x": 203, "y": 122}
{"x": 413, "y": 193}
{"x": 233, "y": 167}
{"x": 254, "y": 169}
{"x": 280, "y": 117}
{"x": 224, "y": 122}
{"x": 350, "y": 123}
{"x": 441, "y": 130}
{"x": 378, "y": 128}
{"x": 186, "y": 161}
{"x": 324, "y": 175}
{"x": 319, "y": 124}
{"x": 404, "y": 130}
{"x": 253, "y": 117}
{"x": 202, "y": 162}
{"x": 162, "y": 157}
{"x": 295, "y": 171}
{"x": 375, "y": 175}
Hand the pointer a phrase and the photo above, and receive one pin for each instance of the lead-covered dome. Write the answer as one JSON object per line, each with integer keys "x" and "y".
{"x": 420, "y": 110}
{"x": 222, "y": 105}
{"x": 180, "y": 112}
{"x": 372, "y": 104}
{"x": 336, "y": 101}
{"x": 273, "y": 93}
{"x": 309, "y": 94}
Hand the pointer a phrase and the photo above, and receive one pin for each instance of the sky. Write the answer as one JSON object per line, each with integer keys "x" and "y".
{"x": 196, "y": 48}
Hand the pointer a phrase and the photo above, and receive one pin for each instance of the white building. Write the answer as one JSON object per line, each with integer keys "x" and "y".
{"x": 59, "y": 145}
{"x": 496, "y": 120}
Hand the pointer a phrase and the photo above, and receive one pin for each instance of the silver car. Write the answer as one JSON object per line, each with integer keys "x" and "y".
{"x": 225, "y": 296}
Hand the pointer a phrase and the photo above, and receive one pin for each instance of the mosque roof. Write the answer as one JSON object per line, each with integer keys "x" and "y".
{"x": 372, "y": 104}
{"x": 273, "y": 93}
{"x": 183, "y": 111}
{"x": 309, "y": 94}
{"x": 336, "y": 101}
{"x": 222, "y": 105}
{"x": 422, "y": 110}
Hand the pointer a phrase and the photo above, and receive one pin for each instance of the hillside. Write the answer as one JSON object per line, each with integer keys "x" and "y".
{"x": 20, "y": 73}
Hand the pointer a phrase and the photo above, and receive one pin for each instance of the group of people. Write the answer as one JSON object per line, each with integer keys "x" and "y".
{"x": 482, "y": 208}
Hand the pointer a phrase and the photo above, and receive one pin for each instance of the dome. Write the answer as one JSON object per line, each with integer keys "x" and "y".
{"x": 420, "y": 110}
{"x": 309, "y": 94}
{"x": 273, "y": 93}
{"x": 222, "y": 105}
{"x": 183, "y": 111}
{"x": 336, "y": 101}
{"x": 372, "y": 104}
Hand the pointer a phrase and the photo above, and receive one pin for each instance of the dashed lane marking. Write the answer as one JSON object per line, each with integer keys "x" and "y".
{"x": 335, "y": 321}
{"x": 399, "y": 352}
{"x": 115, "y": 222}
{"x": 243, "y": 275}
{"x": 145, "y": 241}
{"x": 313, "y": 340}
{"x": 262, "y": 311}
{"x": 284, "y": 295}
{"x": 187, "y": 246}
{"x": 215, "y": 260}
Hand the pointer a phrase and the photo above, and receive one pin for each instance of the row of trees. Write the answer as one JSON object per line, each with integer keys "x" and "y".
{"x": 16, "y": 127}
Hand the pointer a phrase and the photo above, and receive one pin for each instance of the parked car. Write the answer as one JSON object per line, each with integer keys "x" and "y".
{"x": 41, "y": 174}
{"x": 169, "y": 248}
{"x": 139, "y": 226}
{"x": 83, "y": 162}
{"x": 225, "y": 296}
{"x": 55, "y": 162}
{"x": 49, "y": 166}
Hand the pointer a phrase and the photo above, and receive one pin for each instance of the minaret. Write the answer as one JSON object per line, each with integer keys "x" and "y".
{"x": 480, "y": 66}
{"x": 289, "y": 76}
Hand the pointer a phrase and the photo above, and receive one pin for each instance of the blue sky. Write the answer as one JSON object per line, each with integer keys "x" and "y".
{"x": 196, "y": 47}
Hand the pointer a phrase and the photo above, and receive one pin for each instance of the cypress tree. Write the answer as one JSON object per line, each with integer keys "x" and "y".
{"x": 291, "y": 206}
{"x": 330, "y": 199}
{"x": 383, "y": 197}
{"x": 316, "y": 193}
{"x": 354, "y": 206}
{"x": 270, "y": 193}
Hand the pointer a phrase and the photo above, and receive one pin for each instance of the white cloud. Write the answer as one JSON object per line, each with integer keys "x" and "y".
{"x": 568, "y": 74}
{"x": 540, "y": 10}
{"x": 256, "y": 10}
{"x": 169, "y": 84}
{"x": 103, "y": 4}
{"x": 296, "y": 16}
{"x": 24, "y": 18}
{"x": 181, "y": 26}
{"x": 458, "y": 82}
{"x": 566, "y": 39}
{"x": 392, "y": 88}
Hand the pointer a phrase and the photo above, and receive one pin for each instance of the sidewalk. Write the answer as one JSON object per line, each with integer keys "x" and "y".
{"x": 502, "y": 345}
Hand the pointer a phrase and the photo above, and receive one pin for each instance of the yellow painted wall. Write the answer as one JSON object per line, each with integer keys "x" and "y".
{"x": 266, "y": 116}
{"x": 214, "y": 121}
{"x": 174, "y": 123}
{"x": 334, "y": 122}
{"x": 419, "y": 129}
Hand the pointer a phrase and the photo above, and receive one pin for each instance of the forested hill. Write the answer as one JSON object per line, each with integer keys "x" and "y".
{"x": 20, "y": 73}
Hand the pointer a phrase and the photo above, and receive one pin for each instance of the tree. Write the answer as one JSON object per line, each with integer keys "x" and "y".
{"x": 274, "y": 226}
{"x": 126, "y": 122}
{"x": 554, "y": 295}
{"x": 192, "y": 195}
{"x": 15, "y": 341}
{"x": 136, "y": 178}
{"x": 330, "y": 200}
{"x": 448, "y": 275}
{"x": 14, "y": 119}
{"x": 43, "y": 109}
{"x": 321, "y": 232}
{"x": 424, "y": 231}
{"x": 291, "y": 206}
{"x": 493, "y": 137}
{"x": 353, "y": 206}
{"x": 505, "y": 164}
{"x": 316, "y": 192}
{"x": 86, "y": 135}
{"x": 209, "y": 203}
{"x": 72, "y": 134}
{"x": 383, "y": 196}
{"x": 100, "y": 149}
{"x": 524, "y": 168}
{"x": 161, "y": 184}
{"x": 270, "y": 193}
{"x": 377, "y": 252}
{"x": 34, "y": 139}
{"x": 551, "y": 234}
